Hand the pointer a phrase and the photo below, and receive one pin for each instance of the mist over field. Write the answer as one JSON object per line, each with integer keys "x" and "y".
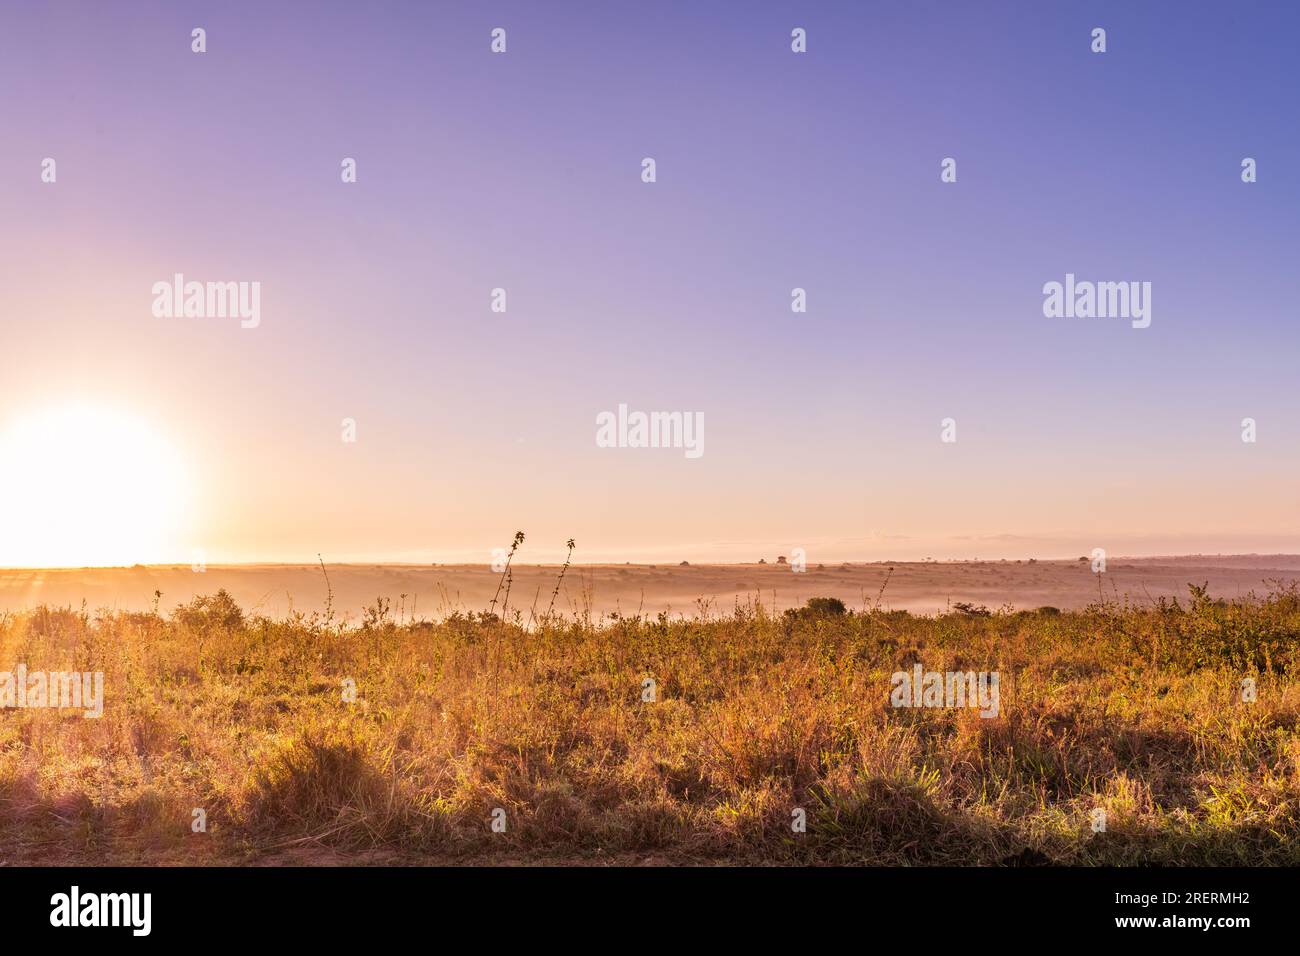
{"x": 432, "y": 592}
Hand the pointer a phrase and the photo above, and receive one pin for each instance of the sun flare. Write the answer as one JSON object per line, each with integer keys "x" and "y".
{"x": 86, "y": 486}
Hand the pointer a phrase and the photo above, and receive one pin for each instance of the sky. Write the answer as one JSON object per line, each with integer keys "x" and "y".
{"x": 522, "y": 170}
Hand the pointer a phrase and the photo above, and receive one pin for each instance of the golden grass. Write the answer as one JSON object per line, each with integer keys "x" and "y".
{"x": 1137, "y": 711}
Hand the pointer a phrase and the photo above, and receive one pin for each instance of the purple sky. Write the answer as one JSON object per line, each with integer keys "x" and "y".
{"x": 775, "y": 170}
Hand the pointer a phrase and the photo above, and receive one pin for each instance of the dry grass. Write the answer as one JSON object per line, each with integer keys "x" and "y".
{"x": 1135, "y": 710}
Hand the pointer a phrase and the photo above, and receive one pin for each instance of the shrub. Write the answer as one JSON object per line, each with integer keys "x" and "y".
{"x": 211, "y": 612}
{"x": 819, "y": 607}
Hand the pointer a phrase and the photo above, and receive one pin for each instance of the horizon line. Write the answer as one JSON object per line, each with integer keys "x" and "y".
{"x": 172, "y": 565}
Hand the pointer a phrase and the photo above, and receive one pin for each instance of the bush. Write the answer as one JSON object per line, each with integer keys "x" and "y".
{"x": 211, "y": 612}
{"x": 819, "y": 607}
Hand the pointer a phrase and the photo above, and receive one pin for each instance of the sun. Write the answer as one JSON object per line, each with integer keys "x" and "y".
{"x": 87, "y": 486}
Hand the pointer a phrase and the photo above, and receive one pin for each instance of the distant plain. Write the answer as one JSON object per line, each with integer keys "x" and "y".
{"x": 434, "y": 591}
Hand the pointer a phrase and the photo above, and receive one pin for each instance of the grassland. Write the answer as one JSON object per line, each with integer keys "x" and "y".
{"x": 1137, "y": 710}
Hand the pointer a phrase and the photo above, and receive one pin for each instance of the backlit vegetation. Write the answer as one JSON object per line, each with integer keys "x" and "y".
{"x": 1135, "y": 710}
